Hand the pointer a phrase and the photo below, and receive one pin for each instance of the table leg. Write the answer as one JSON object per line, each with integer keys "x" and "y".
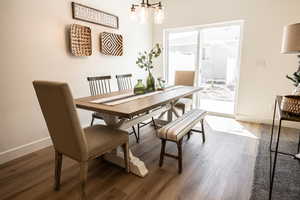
{"x": 172, "y": 111}
{"x": 272, "y": 130}
{"x": 137, "y": 166}
{"x": 274, "y": 165}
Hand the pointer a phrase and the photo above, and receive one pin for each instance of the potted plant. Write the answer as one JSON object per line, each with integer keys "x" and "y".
{"x": 145, "y": 61}
{"x": 295, "y": 78}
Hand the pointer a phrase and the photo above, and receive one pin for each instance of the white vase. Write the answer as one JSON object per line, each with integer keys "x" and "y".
{"x": 296, "y": 91}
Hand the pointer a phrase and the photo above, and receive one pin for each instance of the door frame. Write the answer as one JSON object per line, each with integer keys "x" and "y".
{"x": 166, "y": 33}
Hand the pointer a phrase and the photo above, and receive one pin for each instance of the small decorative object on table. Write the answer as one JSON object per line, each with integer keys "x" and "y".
{"x": 161, "y": 84}
{"x": 144, "y": 61}
{"x": 291, "y": 104}
{"x": 139, "y": 88}
{"x": 296, "y": 80}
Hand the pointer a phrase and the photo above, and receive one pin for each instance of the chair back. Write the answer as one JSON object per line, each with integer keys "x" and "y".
{"x": 124, "y": 81}
{"x": 58, "y": 109}
{"x": 186, "y": 78}
{"x": 99, "y": 85}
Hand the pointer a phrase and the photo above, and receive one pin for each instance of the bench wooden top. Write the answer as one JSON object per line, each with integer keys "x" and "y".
{"x": 137, "y": 106}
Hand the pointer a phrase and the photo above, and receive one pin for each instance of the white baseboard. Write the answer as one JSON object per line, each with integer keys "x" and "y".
{"x": 22, "y": 150}
{"x": 25, "y": 149}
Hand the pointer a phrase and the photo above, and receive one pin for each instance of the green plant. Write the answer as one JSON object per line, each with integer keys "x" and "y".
{"x": 295, "y": 79}
{"x": 145, "y": 60}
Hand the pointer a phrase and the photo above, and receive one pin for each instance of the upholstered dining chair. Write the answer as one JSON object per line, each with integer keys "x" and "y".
{"x": 186, "y": 78}
{"x": 68, "y": 137}
{"x": 98, "y": 85}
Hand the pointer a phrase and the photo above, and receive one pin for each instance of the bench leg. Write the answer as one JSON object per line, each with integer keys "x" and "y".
{"x": 162, "y": 152}
{"x": 179, "y": 147}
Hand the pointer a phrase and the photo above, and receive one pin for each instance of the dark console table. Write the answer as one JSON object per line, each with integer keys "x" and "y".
{"x": 282, "y": 116}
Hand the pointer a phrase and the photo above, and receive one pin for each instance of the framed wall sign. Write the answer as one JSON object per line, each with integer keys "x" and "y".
{"x": 92, "y": 15}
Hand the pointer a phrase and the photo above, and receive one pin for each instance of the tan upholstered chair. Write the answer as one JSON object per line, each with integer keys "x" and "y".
{"x": 68, "y": 137}
{"x": 185, "y": 78}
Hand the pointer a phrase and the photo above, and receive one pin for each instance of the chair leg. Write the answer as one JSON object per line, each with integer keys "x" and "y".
{"x": 179, "y": 147}
{"x": 153, "y": 122}
{"x": 189, "y": 135}
{"x": 83, "y": 179}
{"x": 162, "y": 152}
{"x": 58, "y": 165}
{"x": 202, "y": 129}
{"x": 126, "y": 157}
{"x": 92, "y": 122}
{"x": 183, "y": 110}
{"x": 137, "y": 135}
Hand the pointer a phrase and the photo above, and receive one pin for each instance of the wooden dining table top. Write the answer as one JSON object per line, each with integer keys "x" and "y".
{"x": 137, "y": 106}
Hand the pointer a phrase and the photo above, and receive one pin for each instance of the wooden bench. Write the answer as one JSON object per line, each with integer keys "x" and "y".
{"x": 176, "y": 130}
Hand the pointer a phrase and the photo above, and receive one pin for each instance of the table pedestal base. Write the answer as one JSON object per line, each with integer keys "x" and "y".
{"x": 137, "y": 166}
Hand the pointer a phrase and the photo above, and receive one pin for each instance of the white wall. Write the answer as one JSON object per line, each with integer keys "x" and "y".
{"x": 33, "y": 38}
{"x": 263, "y": 68}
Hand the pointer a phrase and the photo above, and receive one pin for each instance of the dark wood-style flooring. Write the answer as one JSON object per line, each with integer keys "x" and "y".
{"x": 220, "y": 169}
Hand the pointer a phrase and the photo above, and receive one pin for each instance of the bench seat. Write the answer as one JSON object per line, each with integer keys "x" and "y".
{"x": 178, "y": 128}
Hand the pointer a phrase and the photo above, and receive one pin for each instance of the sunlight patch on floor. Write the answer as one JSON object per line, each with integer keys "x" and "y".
{"x": 228, "y": 125}
{"x": 210, "y": 105}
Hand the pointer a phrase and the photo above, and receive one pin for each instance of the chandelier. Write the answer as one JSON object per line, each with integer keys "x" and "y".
{"x": 142, "y": 11}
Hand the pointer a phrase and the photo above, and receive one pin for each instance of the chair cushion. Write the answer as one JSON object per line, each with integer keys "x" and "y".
{"x": 183, "y": 102}
{"x": 176, "y": 129}
{"x": 101, "y": 139}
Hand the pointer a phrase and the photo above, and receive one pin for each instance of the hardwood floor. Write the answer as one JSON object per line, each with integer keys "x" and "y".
{"x": 220, "y": 169}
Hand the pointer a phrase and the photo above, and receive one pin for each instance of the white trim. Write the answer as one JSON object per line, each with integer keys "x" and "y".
{"x": 196, "y": 27}
{"x": 25, "y": 149}
{"x": 237, "y": 86}
{"x": 165, "y": 69}
{"x": 22, "y": 150}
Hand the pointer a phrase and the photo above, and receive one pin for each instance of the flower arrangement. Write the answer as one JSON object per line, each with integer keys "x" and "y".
{"x": 295, "y": 79}
{"x": 145, "y": 61}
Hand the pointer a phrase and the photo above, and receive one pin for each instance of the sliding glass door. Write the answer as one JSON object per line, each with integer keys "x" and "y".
{"x": 214, "y": 53}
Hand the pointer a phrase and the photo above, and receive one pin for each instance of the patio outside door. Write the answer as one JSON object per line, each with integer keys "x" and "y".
{"x": 214, "y": 53}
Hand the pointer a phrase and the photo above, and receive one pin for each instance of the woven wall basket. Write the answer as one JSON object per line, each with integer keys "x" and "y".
{"x": 81, "y": 40}
{"x": 111, "y": 44}
{"x": 291, "y": 104}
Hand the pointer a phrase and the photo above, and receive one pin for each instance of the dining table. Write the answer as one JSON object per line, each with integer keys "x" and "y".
{"x": 124, "y": 109}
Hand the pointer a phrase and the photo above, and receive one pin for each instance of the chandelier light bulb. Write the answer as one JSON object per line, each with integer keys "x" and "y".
{"x": 159, "y": 15}
{"x": 142, "y": 11}
{"x": 143, "y": 14}
{"x": 133, "y": 13}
